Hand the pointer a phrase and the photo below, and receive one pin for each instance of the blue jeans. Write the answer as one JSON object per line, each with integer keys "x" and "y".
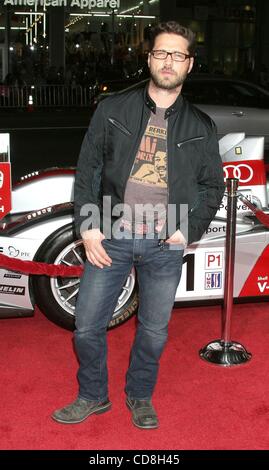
{"x": 158, "y": 271}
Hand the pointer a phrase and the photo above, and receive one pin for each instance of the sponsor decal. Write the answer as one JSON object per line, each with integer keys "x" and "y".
{"x": 12, "y": 276}
{"x": 257, "y": 283}
{"x": 263, "y": 286}
{"x": 219, "y": 229}
{"x": 242, "y": 172}
{"x": 15, "y": 290}
{"x": 214, "y": 260}
{"x": 14, "y": 252}
{"x": 263, "y": 283}
{"x": 213, "y": 280}
{"x": 239, "y": 206}
{"x": 248, "y": 172}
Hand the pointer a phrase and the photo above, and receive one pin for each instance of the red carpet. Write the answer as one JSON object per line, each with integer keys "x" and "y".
{"x": 200, "y": 406}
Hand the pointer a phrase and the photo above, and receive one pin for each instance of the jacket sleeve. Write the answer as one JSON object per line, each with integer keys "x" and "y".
{"x": 87, "y": 189}
{"x": 210, "y": 188}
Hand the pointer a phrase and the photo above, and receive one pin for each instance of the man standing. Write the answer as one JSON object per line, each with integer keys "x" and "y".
{"x": 128, "y": 133}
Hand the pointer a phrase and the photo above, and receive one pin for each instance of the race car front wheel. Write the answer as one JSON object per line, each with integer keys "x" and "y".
{"x": 56, "y": 296}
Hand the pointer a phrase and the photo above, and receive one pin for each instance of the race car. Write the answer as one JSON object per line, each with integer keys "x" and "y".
{"x": 40, "y": 228}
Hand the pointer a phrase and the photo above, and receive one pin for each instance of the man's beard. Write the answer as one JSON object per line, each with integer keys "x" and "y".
{"x": 160, "y": 82}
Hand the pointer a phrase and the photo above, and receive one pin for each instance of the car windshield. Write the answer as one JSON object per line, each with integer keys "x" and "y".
{"x": 225, "y": 93}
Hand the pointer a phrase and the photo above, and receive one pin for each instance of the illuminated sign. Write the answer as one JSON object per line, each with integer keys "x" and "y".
{"x": 65, "y": 3}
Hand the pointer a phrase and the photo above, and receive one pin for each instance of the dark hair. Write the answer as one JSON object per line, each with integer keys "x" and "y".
{"x": 172, "y": 27}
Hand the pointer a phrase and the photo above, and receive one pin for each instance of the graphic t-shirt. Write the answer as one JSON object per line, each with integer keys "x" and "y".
{"x": 147, "y": 183}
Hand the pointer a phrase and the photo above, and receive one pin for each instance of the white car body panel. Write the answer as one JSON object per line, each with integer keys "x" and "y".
{"x": 41, "y": 193}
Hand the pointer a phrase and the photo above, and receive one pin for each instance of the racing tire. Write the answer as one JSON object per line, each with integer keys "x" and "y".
{"x": 56, "y": 296}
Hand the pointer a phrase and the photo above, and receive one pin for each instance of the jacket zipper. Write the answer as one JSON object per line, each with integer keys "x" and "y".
{"x": 119, "y": 126}
{"x": 193, "y": 139}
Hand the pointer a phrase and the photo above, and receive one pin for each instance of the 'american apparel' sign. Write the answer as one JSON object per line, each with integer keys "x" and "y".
{"x": 65, "y": 3}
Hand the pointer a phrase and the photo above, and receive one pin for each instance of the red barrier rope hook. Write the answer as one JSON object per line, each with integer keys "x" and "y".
{"x": 261, "y": 216}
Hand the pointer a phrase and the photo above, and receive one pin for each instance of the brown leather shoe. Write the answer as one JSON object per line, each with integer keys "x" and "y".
{"x": 143, "y": 414}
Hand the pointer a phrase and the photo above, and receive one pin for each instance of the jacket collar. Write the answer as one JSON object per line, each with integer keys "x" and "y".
{"x": 175, "y": 107}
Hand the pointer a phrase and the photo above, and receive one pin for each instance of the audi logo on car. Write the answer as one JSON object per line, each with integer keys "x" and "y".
{"x": 244, "y": 173}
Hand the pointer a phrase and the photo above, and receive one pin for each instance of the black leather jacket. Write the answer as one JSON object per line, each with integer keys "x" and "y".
{"x": 195, "y": 175}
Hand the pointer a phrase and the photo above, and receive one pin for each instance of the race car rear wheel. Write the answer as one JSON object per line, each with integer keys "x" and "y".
{"x": 56, "y": 296}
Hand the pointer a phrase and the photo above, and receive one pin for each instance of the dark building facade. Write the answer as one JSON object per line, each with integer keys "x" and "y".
{"x": 232, "y": 35}
{"x": 57, "y": 33}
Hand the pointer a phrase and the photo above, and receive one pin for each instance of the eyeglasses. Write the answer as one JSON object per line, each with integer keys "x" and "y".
{"x": 176, "y": 56}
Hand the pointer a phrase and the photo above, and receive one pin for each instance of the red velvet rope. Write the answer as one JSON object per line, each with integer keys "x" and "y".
{"x": 34, "y": 267}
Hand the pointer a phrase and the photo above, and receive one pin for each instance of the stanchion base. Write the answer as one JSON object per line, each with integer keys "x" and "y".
{"x": 225, "y": 354}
